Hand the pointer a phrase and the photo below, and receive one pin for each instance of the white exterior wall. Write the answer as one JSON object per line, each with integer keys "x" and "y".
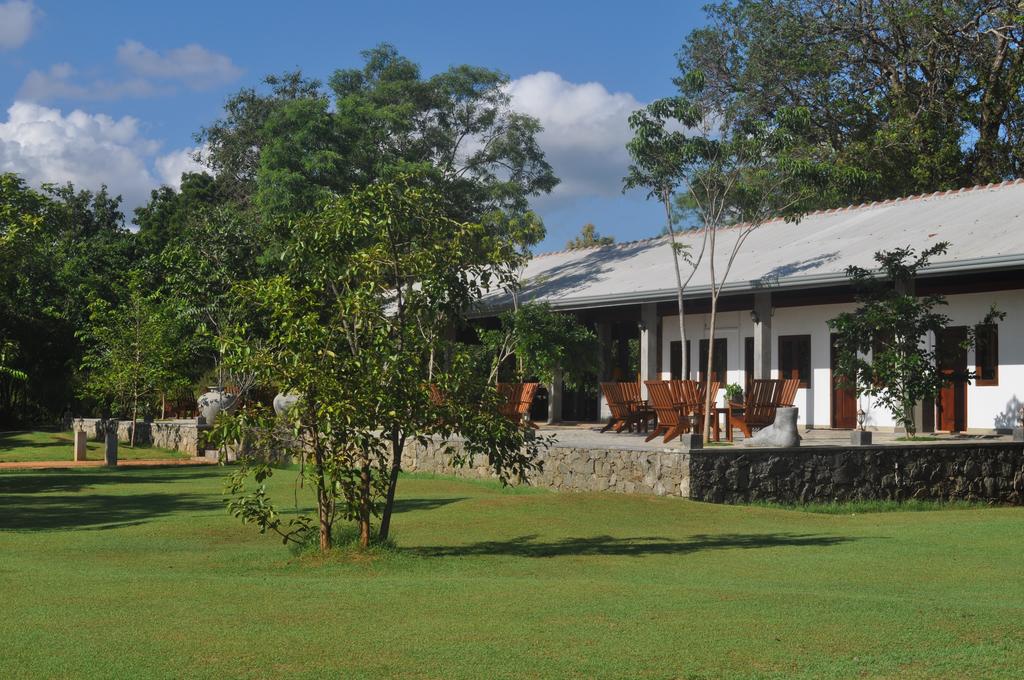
{"x": 988, "y": 407}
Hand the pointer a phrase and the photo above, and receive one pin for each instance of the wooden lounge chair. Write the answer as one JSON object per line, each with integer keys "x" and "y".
{"x": 621, "y": 416}
{"x": 639, "y": 408}
{"x": 518, "y": 399}
{"x": 759, "y": 406}
{"x": 789, "y": 388}
{"x": 672, "y": 421}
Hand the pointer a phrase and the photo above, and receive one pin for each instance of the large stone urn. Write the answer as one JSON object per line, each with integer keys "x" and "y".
{"x": 283, "y": 402}
{"x": 213, "y": 402}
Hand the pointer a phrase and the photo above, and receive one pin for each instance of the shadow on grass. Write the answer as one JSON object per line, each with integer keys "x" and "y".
{"x": 95, "y": 511}
{"x": 70, "y": 480}
{"x": 529, "y": 546}
{"x": 413, "y": 504}
{"x": 15, "y": 440}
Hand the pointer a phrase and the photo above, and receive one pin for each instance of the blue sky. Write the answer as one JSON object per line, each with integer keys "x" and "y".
{"x": 113, "y": 91}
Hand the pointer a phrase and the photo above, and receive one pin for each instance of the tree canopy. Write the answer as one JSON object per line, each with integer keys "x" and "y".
{"x": 908, "y": 96}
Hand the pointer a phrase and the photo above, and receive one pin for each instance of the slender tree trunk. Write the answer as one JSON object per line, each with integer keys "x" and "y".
{"x": 364, "y": 502}
{"x": 135, "y": 417}
{"x": 708, "y": 415}
{"x": 324, "y": 505}
{"x": 397, "y": 447}
{"x": 666, "y": 201}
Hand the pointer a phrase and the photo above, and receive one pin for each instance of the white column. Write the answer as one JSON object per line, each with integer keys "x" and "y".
{"x": 763, "y": 335}
{"x": 555, "y": 398}
{"x": 604, "y": 347}
{"x": 648, "y": 344}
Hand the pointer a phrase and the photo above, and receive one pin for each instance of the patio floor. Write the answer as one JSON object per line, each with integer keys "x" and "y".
{"x": 589, "y": 436}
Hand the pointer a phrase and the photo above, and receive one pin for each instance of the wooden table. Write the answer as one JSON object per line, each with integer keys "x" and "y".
{"x": 716, "y": 433}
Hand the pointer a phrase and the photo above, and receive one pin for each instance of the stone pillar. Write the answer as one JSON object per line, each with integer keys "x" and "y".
{"x": 555, "y": 398}
{"x": 763, "y": 335}
{"x": 110, "y": 450}
{"x": 81, "y": 437}
{"x": 648, "y": 344}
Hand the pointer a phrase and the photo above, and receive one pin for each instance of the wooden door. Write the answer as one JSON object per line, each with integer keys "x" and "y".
{"x": 951, "y": 406}
{"x": 844, "y": 400}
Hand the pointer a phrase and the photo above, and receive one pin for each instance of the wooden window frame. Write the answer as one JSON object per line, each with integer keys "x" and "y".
{"x": 993, "y": 351}
{"x": 785, "y": 340}
{"x": 702, "y": 353}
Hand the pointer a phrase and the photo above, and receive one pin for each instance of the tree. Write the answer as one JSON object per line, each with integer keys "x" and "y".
{"x": 589, "y": 238}
{"x": 659, "y": 152}
{"x": 130, "y": 353}
{"x": 286, "y": 150}
{"x": 911, "y": 96}
{"x": 544, "y": 344}
{"x": 881, "y": 350}
{"x": 166, "y": 217}
{"x": 734, "y": 173}
{"x": 352, "y": 325}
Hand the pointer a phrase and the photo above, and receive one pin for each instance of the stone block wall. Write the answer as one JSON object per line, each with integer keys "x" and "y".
{"x": 178, "y": 435}
{"x": 659, "y": 473}
{"x": 962, "y": 471}
{"x": 943, "y": 472}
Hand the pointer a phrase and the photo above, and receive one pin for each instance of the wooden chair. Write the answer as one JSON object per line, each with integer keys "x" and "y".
{"x": 759, "y": 406}
{"x": 639, "y": 408}
{"x": 672, "y": 421}
{"x": 518, "y": 399}
{"x": 789, "y": 388}
{"x": 621, "y": 417}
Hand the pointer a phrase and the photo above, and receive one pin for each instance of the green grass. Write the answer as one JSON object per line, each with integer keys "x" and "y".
{"x": 131, "y": 573}
{"x": 919, "y": 438}
{"x": 17, "y": 447}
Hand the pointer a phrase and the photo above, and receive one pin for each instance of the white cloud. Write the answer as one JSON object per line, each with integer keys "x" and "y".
{"x": 586, "y": 129}
{"x": 193, "y": 65}
{"x": 44, "y": 145}
{"x": 58, "y": 83}
{"x": 16, "y": 19}
{"x": 171, "y": 166}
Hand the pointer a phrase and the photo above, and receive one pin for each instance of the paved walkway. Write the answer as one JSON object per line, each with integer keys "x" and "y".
{"x": 64, "y": 464}
{"x": 589, "y": 435}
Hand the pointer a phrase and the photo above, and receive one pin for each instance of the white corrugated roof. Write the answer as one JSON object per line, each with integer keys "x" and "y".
{"x": 984, "y": 226}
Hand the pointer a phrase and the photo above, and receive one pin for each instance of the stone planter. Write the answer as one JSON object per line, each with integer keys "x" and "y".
{"x": 860, "y": 438}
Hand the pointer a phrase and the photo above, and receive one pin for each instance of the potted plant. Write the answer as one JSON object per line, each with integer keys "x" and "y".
{"x": 733, "y": 393}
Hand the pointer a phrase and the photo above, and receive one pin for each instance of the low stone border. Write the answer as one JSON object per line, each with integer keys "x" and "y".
{"x": 988, "y": 471}
{"x": 185, "y": 435}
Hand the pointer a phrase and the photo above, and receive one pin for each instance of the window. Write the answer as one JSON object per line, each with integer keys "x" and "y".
{"x": 676, "y": 360}
{"x": 748, "y": 364}
{"x": 986, "y": 354}
{"x": 795, "y": 358}
{"x": 718, "y": 370}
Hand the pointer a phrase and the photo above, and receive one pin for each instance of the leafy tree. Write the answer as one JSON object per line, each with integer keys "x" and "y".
{"x": 588, "y": 238}
{"x": 131, "y": 353}
{"x": 881, "y": 350}
{"x": 909, "y": 96}
{"x": 352, "y": 326}
{"x": 734, "y": 174}
{"x": 299, "y": 144}
{"x": 166, "y": 217}
{"x": 544, "y": 343}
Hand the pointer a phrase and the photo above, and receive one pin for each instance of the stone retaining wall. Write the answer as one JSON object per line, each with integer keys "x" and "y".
{"x": 957, "y": 471}
{"x": 657, "y": 473}
{"x": 178, "y": 435}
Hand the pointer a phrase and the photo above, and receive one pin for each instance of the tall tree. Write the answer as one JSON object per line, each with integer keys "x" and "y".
{"x": 351, "y": 326}
{"x": 914, "y": 95}
{"x": 288, "y": 149}
{"x": 588, "y": 238}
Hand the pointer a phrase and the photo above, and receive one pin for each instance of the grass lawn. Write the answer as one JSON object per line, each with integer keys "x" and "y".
{"x": 17, "y": 447}
{"x": 133, "y": 573}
